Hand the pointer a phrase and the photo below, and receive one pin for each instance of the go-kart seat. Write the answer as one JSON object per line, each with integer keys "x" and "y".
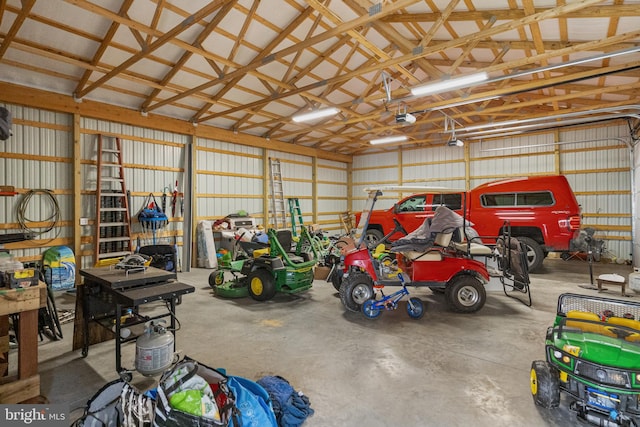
{"x": 461, "y": 244}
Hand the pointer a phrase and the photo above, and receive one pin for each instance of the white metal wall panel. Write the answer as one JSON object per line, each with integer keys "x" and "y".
{"x": 333, "y": 193}
{"x": 229, "y": 180}
{"x": 38, "y": 156}
{"x": 153, "y": 160}
{"x": 597, "y": 162}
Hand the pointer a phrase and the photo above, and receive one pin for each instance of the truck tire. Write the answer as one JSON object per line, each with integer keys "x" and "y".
{"x": 465, "y": 294}
{"x": 261, "y": 285}
{"x": 356, "y": 288}
{"x": 373, "y": 237}
{"x": 545, "y": 386}
{"x": 534, "y": 252}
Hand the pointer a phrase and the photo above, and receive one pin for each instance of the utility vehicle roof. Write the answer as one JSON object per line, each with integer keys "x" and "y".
{"x": 414, "y": 189}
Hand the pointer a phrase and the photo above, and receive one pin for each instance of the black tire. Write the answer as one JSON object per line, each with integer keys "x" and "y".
{"x": 545, "y": 384}
{"x": 369, "y": 309}
{"x": 336, "y": 279}
{"x": 356, "y": 288}
{"x": 465, "y": 294}
{"x": 216, "y": 278}
{"x": 534, "y": 252}
{"x": 373, "y": 237}
{"x": 262, "y": 285}
{"x": 418, "y": 308}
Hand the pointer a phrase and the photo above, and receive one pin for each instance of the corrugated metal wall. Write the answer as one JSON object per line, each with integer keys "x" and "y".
{"x": 227, "y": 178}
{"x": 595, "y": 160}
{"x": 153, "y": 163}
{"x": 37, "y": 157}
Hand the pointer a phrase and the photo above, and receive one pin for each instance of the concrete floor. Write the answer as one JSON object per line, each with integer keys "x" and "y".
{"x": 446, "y": 369}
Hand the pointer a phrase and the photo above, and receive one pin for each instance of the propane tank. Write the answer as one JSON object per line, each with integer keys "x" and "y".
{"x": 154, "y": 350}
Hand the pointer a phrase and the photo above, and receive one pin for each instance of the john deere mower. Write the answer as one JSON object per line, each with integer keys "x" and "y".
{"x": 266, "y": 268}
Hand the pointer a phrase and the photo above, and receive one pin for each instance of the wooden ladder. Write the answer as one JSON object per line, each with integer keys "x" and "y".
{"x": 278, "y": 213}
{"x": 113, "y": 221}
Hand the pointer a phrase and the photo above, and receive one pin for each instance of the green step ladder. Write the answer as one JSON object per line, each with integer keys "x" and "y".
{"x": 296, "y": 215}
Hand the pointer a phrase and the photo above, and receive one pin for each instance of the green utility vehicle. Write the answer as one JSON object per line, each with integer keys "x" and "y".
{"x": 592, "y": 355}
{"x": 266, "y": 268}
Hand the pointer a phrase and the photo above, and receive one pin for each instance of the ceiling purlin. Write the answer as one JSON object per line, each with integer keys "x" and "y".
{"x": 277, "y": 124}
{"x": 385, "y": 9}
{"x": 281, "y": 36}
{"x": 104, "y": 44}
{"x": 15, "y": 27}
{"x": 517, "y": 13}
{"x": 206, "y": 31}
{"x": 160, "y": 41}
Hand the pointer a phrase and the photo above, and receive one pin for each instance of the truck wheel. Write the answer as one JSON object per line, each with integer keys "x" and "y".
{"x": 356, "y": 288}
{"x": 545, "y": 386}
{"x": 534, "y": 252}
{"x": 373, "y": 237}
{"x": 261, "y": 285}
{"x": 465, "y": 294}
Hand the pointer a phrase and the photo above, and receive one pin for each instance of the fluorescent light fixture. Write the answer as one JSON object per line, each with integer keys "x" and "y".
{"x": 449, "y": 84}
{"x": 316, "y": 114}
{"x": 388, "y": 139}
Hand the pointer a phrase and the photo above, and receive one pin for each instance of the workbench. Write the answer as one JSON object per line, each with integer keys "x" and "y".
{"x": 107, "y": 292}
{"x": 24, "y": 303}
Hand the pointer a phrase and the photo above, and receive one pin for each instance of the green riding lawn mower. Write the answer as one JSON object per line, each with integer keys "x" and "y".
{"x": 261, "y": 270}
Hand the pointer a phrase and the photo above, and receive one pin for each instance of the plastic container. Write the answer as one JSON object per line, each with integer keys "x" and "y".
{"x": 634, "y": 281}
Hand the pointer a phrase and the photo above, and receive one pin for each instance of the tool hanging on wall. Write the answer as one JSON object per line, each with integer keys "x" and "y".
{"x": 164, "y": 199}
{"x": 174, "y": 199}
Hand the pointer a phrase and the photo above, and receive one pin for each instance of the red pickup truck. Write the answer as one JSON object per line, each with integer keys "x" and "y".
{"x": 542, "y": 211}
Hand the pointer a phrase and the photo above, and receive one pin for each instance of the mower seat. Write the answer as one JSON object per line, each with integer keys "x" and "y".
{"x": 285, "y": 238}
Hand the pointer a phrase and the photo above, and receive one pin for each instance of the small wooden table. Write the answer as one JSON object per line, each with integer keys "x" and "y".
{"x": 612, "y": 282}
{"x": 25, "y": 303}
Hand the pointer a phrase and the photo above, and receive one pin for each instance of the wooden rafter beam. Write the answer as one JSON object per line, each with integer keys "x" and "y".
{"x": 419, "y": 53}
{"x": 178, "y": 66}
{"x": 161, "y": 41}
{"x": 603, "y": 11}
{"x": 259, "y": 57}
{"x": 15, "y": 26}
{"x": 106, "y": 41}
{"x": 338, "y": 30}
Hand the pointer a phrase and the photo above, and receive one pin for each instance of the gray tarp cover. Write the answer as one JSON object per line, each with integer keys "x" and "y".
{"x": 422, "y": 238}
